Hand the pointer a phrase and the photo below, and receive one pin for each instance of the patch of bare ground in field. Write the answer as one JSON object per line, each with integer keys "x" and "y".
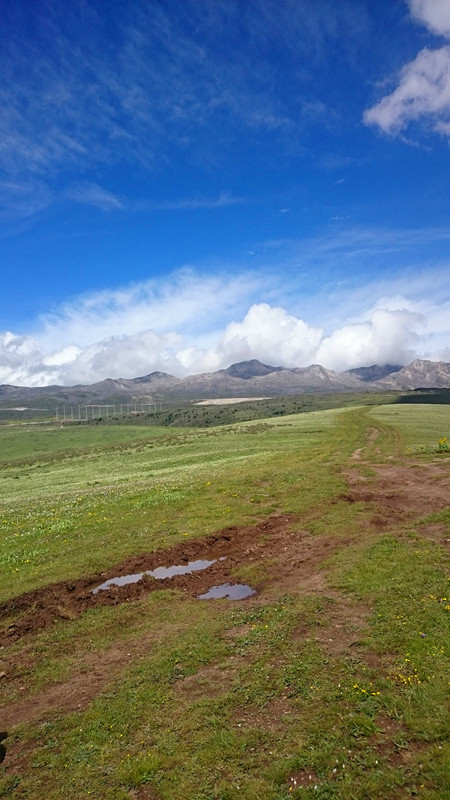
{"x": 371, "y": 435}
{"x": 342, "y": 630}
{"x": 391, "y": 744}
{"x": 302, "y": 778}
{"x": 18, "y": 755}
{"x": 275, "y": 717}
{"x": 403, "y": 494}
{"x": 209, "y": 681}
{"x": 91, "y": 673}
{"x": 398, "y": 496}
{"x": 144, "y": 793}
{"x": 293, "y": 558}
{"x": 291, "y": 555}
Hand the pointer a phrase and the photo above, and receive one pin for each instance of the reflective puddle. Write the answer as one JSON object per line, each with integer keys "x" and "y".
{"x": 160, "y": 573}
{"x": 123, "y": 580}
{"x": 233, "y": 591}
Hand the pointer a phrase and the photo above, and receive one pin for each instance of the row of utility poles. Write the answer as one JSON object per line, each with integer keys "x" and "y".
{"x": 96, "y": 411}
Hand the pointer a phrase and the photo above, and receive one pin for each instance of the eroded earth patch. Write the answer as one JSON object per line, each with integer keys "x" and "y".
{"x": 293, "y": 559}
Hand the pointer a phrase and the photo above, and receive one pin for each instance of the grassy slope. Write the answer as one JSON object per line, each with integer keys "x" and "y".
{"x": 22, "y": 443}
{"x": 69, "y": 514}
{"x": 420, "y": 426}
{"x": 265, "y": 704}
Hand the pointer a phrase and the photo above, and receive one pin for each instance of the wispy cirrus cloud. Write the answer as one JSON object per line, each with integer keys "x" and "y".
{"x": 184, "y": 301}
{"x": 157, "y": 81}
{"x": 23, "y": 198}
{"x": 223, "y": 200}
{"x": 92, "y": 194}
{"x": 340, "y": 256}
{"x": 423, "y": 90}
{"x": 133, "y": 82}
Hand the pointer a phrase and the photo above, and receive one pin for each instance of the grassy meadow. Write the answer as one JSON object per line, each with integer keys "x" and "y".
{"x": 334, "y": 689}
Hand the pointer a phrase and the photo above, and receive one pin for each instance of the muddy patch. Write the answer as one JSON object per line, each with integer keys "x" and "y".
{"x": 224, "y": 553}
{"x": 436, "y": 531}
{"x": 90, "y": 674}
{"x": 276, "y": 716}
{"x": 392, "y": 744}
{"x": 209, "y": 681}
{"x": 398, "y": 493}
{"x": 371, "y": 435}
{"x": 403, "y": 494}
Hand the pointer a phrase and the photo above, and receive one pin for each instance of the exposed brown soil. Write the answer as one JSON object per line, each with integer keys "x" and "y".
{"x": 91, "y": 673}
{"x": 303, "y": 778}
{"x": 404, "y": 494}
{"x": 398, "y": 496}
{"x": 388, "y": 744}
{"x": 290, "y": 555}
{"x": 144, "y": 793}
{"x": 343, "y": 628}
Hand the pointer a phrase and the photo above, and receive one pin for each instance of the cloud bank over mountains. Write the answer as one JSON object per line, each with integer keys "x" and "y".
{"x": 191, "y": 324}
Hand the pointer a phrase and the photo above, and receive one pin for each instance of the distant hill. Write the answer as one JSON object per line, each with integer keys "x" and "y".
{"x": 373, "y": 373}
{"x": 249, "y": 369}
{"x": 154, "y": 376}
{"x": 417, "y": 375}
{"x": 245, "y": 379}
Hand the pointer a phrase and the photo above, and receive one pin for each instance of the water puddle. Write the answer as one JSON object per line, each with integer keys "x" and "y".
{"x": 123, "y": 580}
{"x": 160, "y": 573}
{"x": 232, "y": 591}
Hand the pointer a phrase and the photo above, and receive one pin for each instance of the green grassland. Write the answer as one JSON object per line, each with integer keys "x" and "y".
{"x": 23, "y": 442}
{"x": 420, "y": 427}
{"x": 220, "y": 700}
{"x": 70, "y": 513}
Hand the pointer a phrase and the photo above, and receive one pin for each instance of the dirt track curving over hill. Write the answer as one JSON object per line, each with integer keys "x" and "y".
{"x": 400, "y": 495}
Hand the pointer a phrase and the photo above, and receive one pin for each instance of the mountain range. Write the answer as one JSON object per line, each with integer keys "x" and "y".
{"x": 247, "y": 379}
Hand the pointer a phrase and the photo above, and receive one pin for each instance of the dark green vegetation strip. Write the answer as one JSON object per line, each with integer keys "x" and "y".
{"x": 335, "y": 692}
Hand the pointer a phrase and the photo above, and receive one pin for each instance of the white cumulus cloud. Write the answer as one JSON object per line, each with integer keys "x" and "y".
{"x": 21, "y": 360}
{"x": 435, "y": 14}
{"x": 388, "y": 334}
{"x": 423, "y": 90}
{"x": 277, "y": 336}
{"x": 126, "y": 357}
{"x": 386, "y": 337}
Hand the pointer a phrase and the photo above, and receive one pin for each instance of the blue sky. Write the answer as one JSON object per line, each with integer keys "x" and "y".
{"x": 191, "y": 183}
